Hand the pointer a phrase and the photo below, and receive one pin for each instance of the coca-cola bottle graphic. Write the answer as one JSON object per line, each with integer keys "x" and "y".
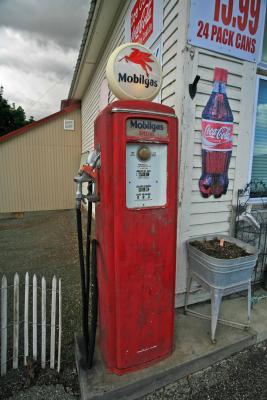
{"x": 217, "y": 139}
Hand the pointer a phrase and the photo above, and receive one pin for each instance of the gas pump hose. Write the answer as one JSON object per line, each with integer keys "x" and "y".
{"x": 88, "y": 283}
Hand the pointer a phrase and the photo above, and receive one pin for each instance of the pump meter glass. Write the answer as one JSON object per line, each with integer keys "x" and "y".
{"x": 146, "y": 175}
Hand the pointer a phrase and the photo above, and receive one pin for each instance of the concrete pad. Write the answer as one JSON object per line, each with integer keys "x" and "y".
{"x": 193, "y": 351}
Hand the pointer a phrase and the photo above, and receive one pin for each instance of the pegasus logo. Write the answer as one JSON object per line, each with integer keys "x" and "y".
{"x": 140, "y": 58}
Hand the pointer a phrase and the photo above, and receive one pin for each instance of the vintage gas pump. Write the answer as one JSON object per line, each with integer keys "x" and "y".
{"x": 134, "y": 170}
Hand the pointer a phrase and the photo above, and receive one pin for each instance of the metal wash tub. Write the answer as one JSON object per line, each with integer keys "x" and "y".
{"x": 220, "y": 276}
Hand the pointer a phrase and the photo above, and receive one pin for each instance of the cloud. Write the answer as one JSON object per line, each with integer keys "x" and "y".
{"x": 38, "y": 51}
{"x": 55, "y": 20}
{"x": 29, "y": 56}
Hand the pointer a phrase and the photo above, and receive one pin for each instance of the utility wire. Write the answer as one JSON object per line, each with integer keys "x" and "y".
{"x": 51, "y": 87}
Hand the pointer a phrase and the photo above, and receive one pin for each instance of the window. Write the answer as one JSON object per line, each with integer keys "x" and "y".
{"x": 259, "y": 155}
{"x": 259, "y": 160}
{"x": 264, "y": 47}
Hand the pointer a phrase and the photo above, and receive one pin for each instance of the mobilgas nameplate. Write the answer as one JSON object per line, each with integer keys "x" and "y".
{"x": 146, "y": 175}
{"x": 146, "y": 128}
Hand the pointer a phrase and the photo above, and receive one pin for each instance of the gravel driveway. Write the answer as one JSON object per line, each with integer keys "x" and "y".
{"x": 45, "y": 243}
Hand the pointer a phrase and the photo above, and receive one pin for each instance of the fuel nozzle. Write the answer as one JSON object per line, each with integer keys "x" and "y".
{"x": 87, "y": 174}
{"x": 81, "y": 178}
{"x": 93, "y": 159}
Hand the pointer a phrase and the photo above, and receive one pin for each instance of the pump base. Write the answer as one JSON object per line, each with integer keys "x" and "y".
{"x": 139, "y": 366}
{"x": 193, "y": 351}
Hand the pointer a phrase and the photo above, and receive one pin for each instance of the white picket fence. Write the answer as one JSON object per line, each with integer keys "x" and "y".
{"x": 13, "y": 319}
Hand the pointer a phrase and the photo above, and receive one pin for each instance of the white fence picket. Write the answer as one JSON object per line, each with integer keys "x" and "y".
{"x": 34, "y": 317}
{"x": 16, "y": 322}
{"x": 3, "y": 326}
{"x": 53, "y": 323}
{"x": 59, "y": 325}
{"x": 26, "y": 319}
{"x": 43, "y": 356}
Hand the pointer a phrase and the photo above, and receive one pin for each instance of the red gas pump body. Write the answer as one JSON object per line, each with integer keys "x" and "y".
{"x": 136, "y": 237}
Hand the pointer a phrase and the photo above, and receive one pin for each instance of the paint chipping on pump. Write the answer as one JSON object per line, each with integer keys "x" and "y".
{"x": 148, "y": 348}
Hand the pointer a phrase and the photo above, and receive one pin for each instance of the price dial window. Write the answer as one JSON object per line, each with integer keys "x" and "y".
{"x": 146, "y": 175}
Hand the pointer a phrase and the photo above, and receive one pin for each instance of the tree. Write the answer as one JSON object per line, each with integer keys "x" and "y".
{"x": 11, "y": 118}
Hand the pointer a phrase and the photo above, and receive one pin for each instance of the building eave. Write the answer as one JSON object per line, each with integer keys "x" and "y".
{"x": 101, "y": 17}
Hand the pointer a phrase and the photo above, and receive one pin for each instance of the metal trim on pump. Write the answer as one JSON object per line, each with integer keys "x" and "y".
{"x": 137, "y": 111}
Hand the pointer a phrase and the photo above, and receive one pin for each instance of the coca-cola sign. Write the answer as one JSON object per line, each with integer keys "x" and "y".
{"x": 217, "y": 135}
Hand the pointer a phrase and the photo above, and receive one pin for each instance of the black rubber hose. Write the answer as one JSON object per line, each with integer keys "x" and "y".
{"x": 88, "y": 243}
{"x": 83, "y": 284}
{"x": 93, "y": 308}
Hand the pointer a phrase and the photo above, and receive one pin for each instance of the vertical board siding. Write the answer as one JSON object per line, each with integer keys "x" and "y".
{"x": 41, "y": 164}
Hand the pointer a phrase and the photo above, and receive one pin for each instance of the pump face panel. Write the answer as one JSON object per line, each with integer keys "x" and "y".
{"x": 146, "y": 179}
{"x": 136, "y": 224}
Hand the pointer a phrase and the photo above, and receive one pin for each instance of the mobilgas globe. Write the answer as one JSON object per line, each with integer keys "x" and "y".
{"x": 134, "y": 73}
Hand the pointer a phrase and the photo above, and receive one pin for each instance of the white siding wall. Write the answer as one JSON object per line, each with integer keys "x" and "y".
{"x": 181, "y": 63}
{"x": 90, "y": 101}
{"x": 169, "y": 51}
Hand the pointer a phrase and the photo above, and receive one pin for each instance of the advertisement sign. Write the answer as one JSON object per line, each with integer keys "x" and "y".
{"x": 231, "y": 27}
{"x": 217, "y": 139}
{"x": 143, "y": 22}
{"x": 134, "y": 73}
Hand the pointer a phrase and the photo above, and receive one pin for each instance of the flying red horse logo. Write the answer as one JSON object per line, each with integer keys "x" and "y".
{"x": 141, "y": 58}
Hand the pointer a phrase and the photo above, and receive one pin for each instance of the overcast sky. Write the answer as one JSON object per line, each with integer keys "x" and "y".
{"x": 39, "y": 44}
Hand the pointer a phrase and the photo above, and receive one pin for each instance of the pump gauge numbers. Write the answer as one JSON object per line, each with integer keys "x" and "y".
{"x": 146, "y": 175}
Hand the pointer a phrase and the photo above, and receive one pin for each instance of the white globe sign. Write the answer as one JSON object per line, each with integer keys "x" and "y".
{"x": 133, "y": 73}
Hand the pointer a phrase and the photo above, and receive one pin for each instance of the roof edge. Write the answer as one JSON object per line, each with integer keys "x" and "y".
{"x": 26, "y": 128}
{"x": 83, "y": 44}
{"x": 94, "y": 41}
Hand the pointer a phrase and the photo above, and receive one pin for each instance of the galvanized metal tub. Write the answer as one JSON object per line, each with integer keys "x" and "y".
{"x": 222, "y": 273}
